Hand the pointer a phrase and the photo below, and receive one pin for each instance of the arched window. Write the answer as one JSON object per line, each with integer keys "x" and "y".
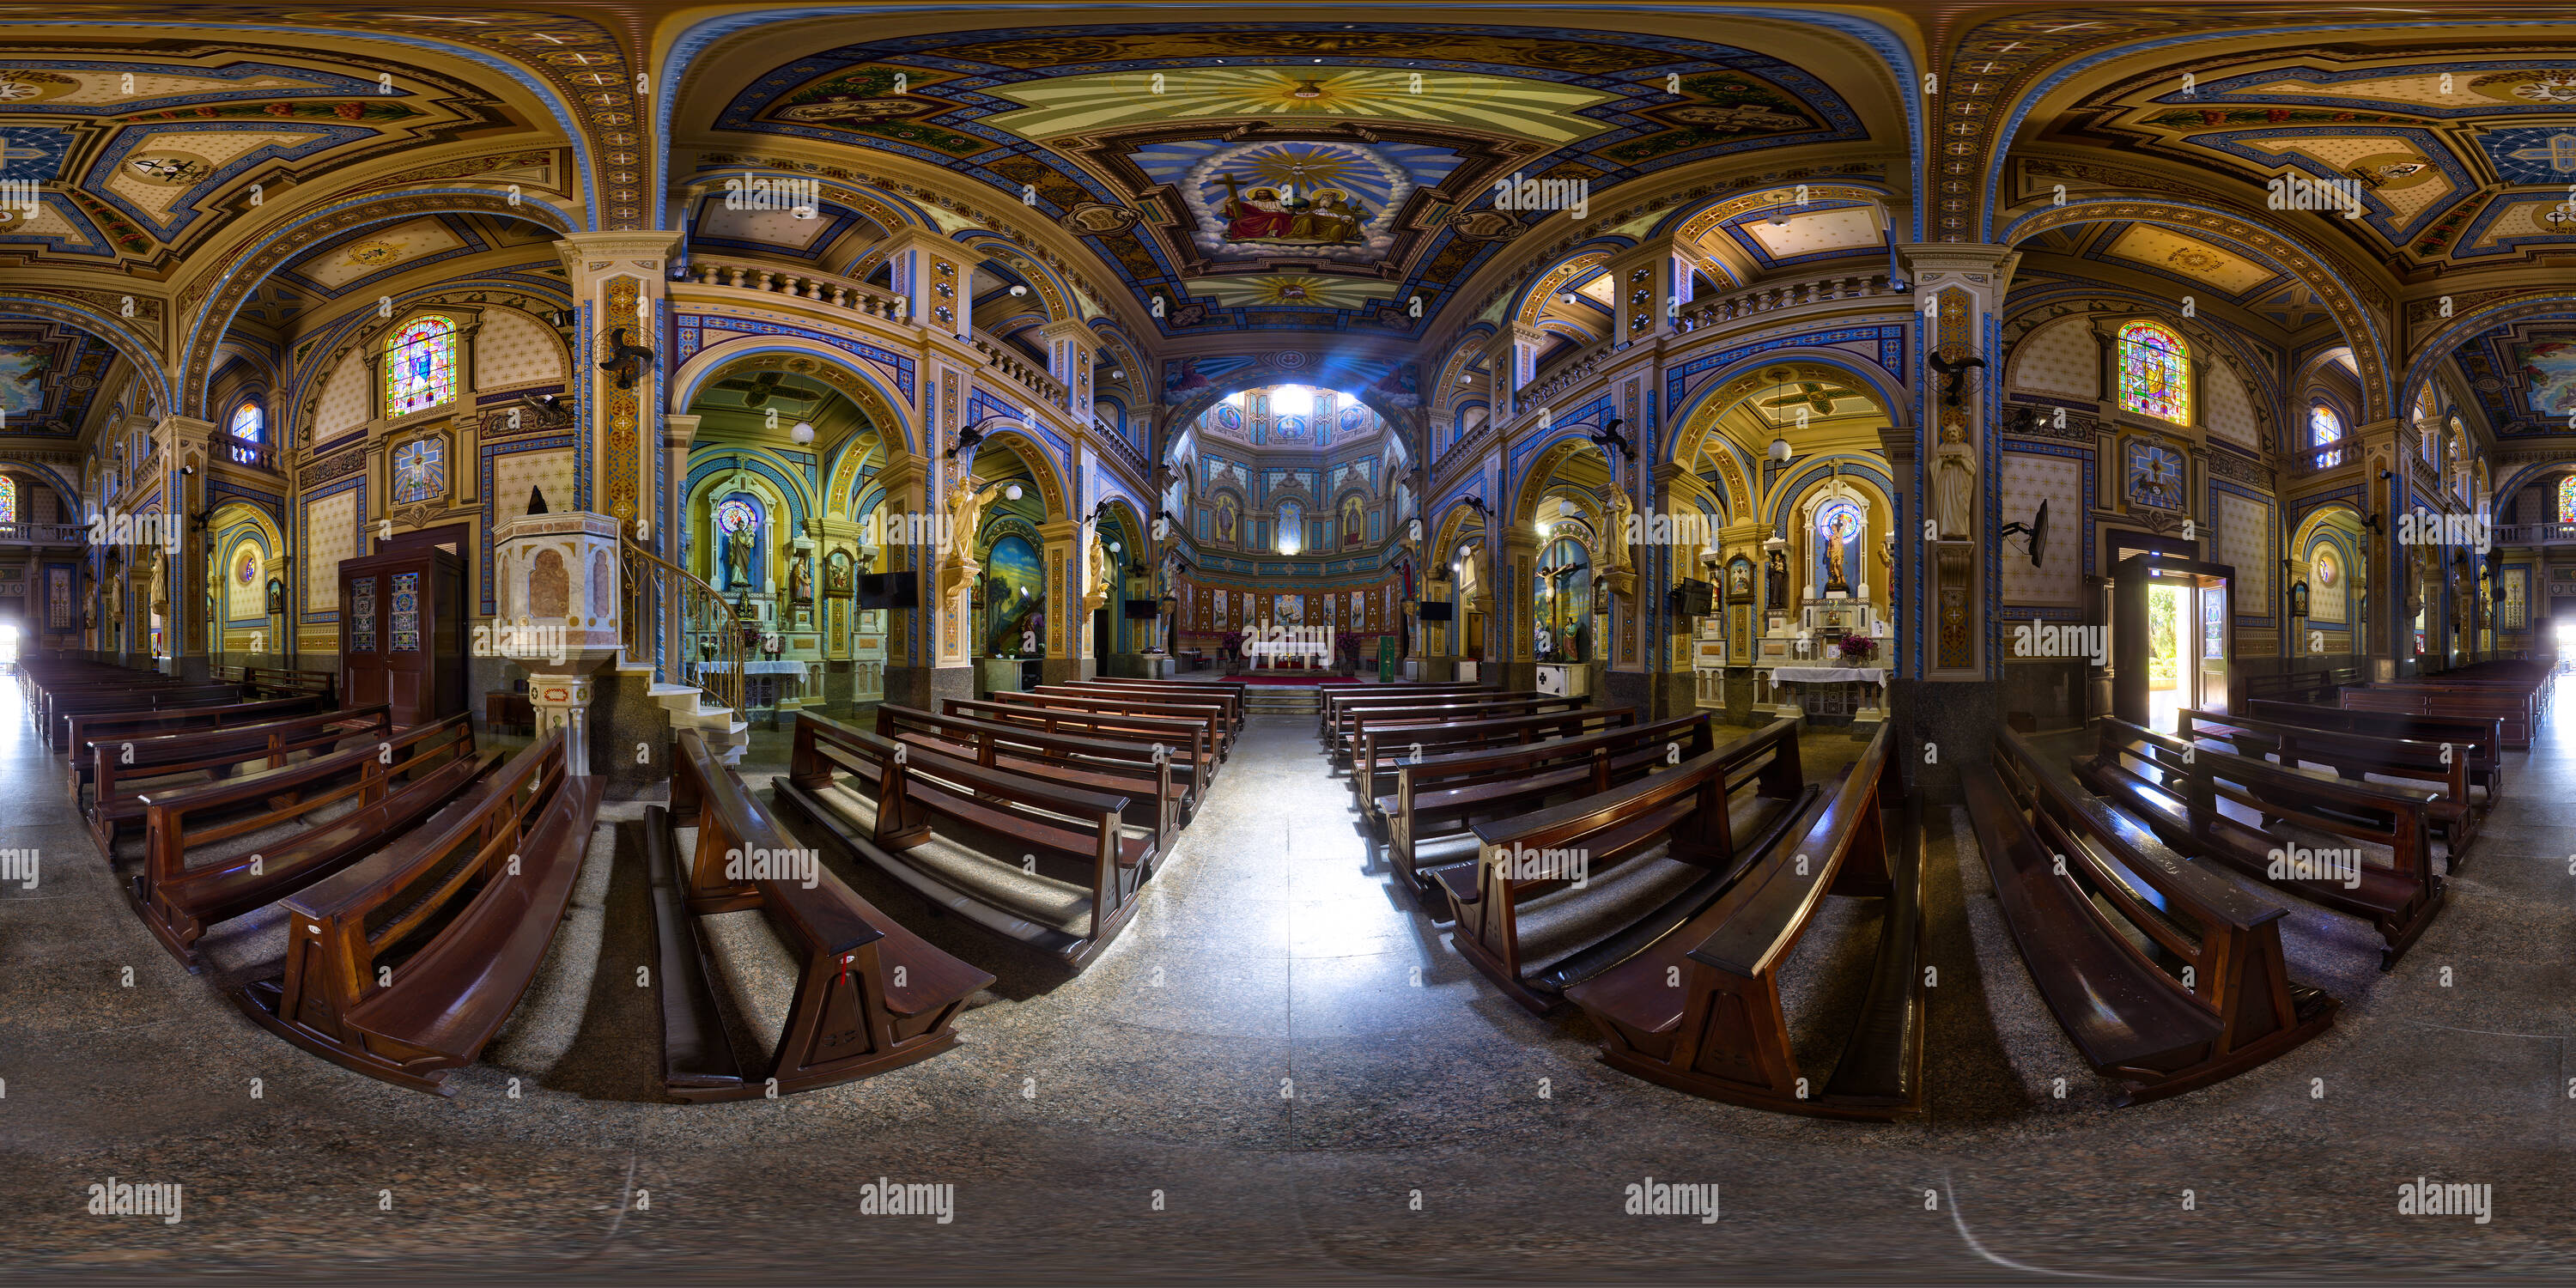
{"x": 1292, "y": 528}
{"x": 420, "y": 366}
{"x": 8, "y": 499}
{"x": 2566, "y": 499}
{"x": 2325, "y": 429}
{"x": 2154, "y": 372}
{"x": 250, "y": 423}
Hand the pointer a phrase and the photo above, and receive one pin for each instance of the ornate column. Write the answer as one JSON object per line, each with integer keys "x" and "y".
{"x": 1951, "y": 701}
{"x": 1508, "y": 623}
{"x": 1070, "y": 346}
{"x": 929, "y": 276}
{"x": 1067, "y": 658}
{"x": 182, "y": 601}
{"x": 619, "y": 281}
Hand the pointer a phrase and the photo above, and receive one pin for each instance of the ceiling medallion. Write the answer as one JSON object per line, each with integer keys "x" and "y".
{"x": 374, "y": 254}
{"x": 2195, "y": 259}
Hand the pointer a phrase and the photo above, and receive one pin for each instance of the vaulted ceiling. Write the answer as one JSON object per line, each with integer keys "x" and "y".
{"x": 1292, "y": 176}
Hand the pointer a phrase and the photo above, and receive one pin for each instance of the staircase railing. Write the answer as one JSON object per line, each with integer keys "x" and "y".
{"x": 655, "y": 587}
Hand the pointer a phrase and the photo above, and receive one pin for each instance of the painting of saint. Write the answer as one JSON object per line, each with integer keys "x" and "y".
{"x": 22, "y": 377}
{"x": 1328, "y": 216}
{"x": 1255, "y": 215}
{"x": 1225, "y": 519}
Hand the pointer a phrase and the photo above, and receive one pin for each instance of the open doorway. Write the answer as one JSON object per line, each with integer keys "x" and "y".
{"x": 8, "y": 648}
{"x": 2170, "y": 643}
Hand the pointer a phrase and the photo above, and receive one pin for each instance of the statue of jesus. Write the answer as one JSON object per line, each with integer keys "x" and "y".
{"x": 737, "y": 558}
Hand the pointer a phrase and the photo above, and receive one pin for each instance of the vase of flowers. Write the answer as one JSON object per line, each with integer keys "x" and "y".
{"x": 1856, "y": 650}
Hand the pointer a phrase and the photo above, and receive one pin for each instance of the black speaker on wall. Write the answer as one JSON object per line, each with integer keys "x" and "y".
{"x": 1436, "y": 611}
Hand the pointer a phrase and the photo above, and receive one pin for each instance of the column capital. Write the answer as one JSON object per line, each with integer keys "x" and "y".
{"x": 589, "y": 258}
{"x": 682, "y": 429}
{"x": 1976, "y": 266}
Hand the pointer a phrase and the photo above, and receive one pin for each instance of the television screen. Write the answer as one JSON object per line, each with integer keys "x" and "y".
{"x": 1435, "y": 612}
{"x": 1144, "y": 608}
{"x": 889, "y": 590}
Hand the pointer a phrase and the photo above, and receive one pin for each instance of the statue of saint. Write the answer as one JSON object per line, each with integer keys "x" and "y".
{"x": 1775, "y": 582}
{"x": 1837, "y": 577}
{"x": 1954, "y": 490}
{"x": 1622, "y": 527}
{"x": 965, "y": 514}
{"x": 737, "y": 558}
{"x": 1103, "y": 575}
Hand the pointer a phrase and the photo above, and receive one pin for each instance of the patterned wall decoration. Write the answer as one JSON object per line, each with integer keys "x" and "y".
{"x": 2244, "y": 525}
{"x": 623, "y": 411}
{"x": 2062, "y": 478}
{"x": 328, "y": 533}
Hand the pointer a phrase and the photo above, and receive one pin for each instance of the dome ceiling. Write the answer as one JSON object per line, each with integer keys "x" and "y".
{"x": 1297, "y": 176}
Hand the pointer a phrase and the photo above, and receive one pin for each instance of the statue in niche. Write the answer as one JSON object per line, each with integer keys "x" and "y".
{"x": 159, "y": 596}
{"x": 1622, "y": 526}
{"x": 1954, "y": 490}
{"x": 1775, "y": 582}
{"x": 737, "y": 558}
{"x": 1837, "y": 558}
{"x": 800, "y": 580}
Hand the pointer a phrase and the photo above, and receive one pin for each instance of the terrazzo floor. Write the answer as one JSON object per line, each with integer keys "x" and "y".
{"x": 1282, "y": 1072}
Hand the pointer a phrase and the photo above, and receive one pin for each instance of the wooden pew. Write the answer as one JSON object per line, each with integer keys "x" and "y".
{"x": 282, "y": 682}
{"x": 2301, "y": 686}
{"x": 1522, "y": 922}
{"x": 2441, "y": 768}
{"x": 2083, "y": 886}
{"x": 1220, "y": 738}
{"x": 1339, "y": 707}
{"x": 1438, "y": 798}
{"x": 1336, "y": 694}
{"x": 403, "y": 965}
{"x": 394, "y": 783}
{"x": 112, "y": 728}
{"x": 998, "y": 845}
{"x": 64, "y": 706}
{"x": 2183, "y": 792}
{"x": 2516, "y": 708}
{"x": 1186, "y": 741}
{"x": 1374, "y": 761}
{"x": 1186, "y": 689}
{"x": 1388, "y": 722}
{"x": 137, "y": 693}
{"x": 1228, "y": 710}
{"x": 870, "y": 995}
{"x": 2483, "y": 737}
{"x": 124, "y": 773}
{"x": 1086, "y": 764}
{"x": 1722, "y": 1032}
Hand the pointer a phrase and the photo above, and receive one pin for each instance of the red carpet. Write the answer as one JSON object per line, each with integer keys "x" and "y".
{"x": 1255, "y": 677}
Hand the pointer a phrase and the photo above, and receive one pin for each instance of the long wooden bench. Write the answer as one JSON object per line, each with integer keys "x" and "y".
{"x": 1184, "y": 743}
{"x": 870, "y": 995}
{"x": 41, "y": 685}
{"x": 115, "y": 728}
{"x": 283, "y": 682}
{"x": 2301, "y": 686}
{"x": 2484, "y": 738}
{"x": 1340, "y": 709}
{"x": 2516, "y": 709}
{"x": 1334, "y": 695}
{"x": 390, "y": 785}
{"x": 405, "y": 964}
{"x": 2166, "y": 976}
{"x": 1046, "y": 865}
{"x": 1227, "y": 711}
{"x": 2224, "y": 807}
{"x": 1231, "y": 695}
{"x": 67, "y": 708}
{"x": 1374, "y": 762}
{"x": 1392, "y": 722}
{"x": 2440, "y": 768}
{"x": 139, "y": 693}
{"x": 1220, "y": 738}
{"x": 1643, "y": 857}
{"x": 1700, "y": 1008}
{"x": 1087, "y": 764}
{"x": 123, "y": 773}
{"x": 1438, "y": 799}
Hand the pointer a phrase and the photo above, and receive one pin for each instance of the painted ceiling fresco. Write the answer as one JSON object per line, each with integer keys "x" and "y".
{"x": 1249, "y": 176}
{"x": 48, "y": 376}
{"x": 2524, "y": 376}
{"x": 135, "y": 159}
{"x": 2457, "y": 159}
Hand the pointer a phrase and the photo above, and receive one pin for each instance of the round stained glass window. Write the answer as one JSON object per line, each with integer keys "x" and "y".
{"x": 735, "y": 515}
{"x": 2327, "y": 568}
{"x": 247, "y": 571}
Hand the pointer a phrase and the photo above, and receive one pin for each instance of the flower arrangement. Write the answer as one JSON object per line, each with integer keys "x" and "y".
{"x": 1856, "y": 649}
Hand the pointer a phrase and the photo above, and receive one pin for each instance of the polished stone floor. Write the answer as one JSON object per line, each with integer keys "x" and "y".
{"x": 1282, "y": 1072}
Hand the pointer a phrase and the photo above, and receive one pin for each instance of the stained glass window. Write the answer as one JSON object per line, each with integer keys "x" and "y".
{"x": 2566, "y": 499}
{"x": 2154, "y": 379}
{"x": 1292, "y": 528}
{"x": 420, "y": 470}
{"x": 2325, "y": 429}
{"x": 420, "y": 366}
{"x": 8, "y": 499}
{"x": 249, "y": 422}
{"x": 2327, "y": 567}
{"x": 735, "y": 515}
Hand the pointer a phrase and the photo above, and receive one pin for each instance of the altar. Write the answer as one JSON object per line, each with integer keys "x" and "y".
{"x": 760, "y": 681}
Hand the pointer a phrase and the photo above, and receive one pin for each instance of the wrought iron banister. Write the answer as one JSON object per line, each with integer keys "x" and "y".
{"x": 655, "y": 586}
